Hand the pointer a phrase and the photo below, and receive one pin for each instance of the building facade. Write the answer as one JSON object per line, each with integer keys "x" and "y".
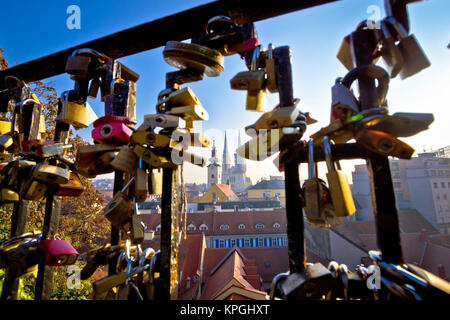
{"x": 268, "y": 190}
{"x": 421, "y": 183}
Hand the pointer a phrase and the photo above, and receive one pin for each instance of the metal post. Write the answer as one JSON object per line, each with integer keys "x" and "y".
{"x": 166, "y": 287}
{"x": 363, "y": 43}
{"x": 294, "y": 202}
{"x": 115, "y": 235}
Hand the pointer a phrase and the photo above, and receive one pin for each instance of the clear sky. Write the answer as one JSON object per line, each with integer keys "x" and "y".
{"x": 32, "y": 29}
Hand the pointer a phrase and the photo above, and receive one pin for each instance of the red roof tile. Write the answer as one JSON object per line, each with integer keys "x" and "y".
{"x": 227, "y": 191}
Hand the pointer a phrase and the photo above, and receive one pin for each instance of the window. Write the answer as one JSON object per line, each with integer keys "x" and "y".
{"x": 445, "y": 196}
{"x": 443, "y": 185}
{"x": 247, "y": 242}
{"x": 214, "y": 197}
{"x": 285, "y": 242}
{"x": 397, "y": 185}
{"x": 437, "y": 197}
{"x": 435, "y": 184}
{"x": 241, "y": 226}
{"x": 233, "y": 242}
{"x": 276, "y": 225}
{"x": 260, "y": 242}
{"x": 203, "y": 227}
{"x": 274, "y": 242}
{"x": 259, "y": 226}
{"x": 191, "y": 227}
{"x": 158, "y": 228}
{"x": 212, "y": 176}
{"x": 224, "y": 227}
{"x": 448, "y": 184}
{"x": 221, "y": 243}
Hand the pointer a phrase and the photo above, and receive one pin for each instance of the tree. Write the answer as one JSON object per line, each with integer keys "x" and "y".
{"x": 81, "y": 221}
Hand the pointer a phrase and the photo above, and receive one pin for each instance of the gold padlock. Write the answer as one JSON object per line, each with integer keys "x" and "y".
{"x": 72, "y": 113}
{"x": 184, "y": 138}
{"x": 271, "y": 83}
{"x": 126, "y": 160}
{"x": 141, "y": 186}
{"x": 5, "y": 127}
{"x": 120, "y": 209}
{"x": 74, "y": 188}
{"x": 157, "y": 159}
{"x": 190, "y": 113}
{"x": 277, "y": 118}
{"x": 42, "y": 124}
{"x": 156, "y": 181}
{"x": 35, "y": 191}
{"x": 341, "y": 194}
{"x": 150, "y": 139}
{"x": 163, "y": 121}
{"x": 8, "y": 196}
{"x": 51, "y": 174}
{"x": 265, "y": 144}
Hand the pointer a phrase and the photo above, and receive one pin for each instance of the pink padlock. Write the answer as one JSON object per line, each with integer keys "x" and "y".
{"x": 111, "y": 131}
{"x": 58, "y": 252}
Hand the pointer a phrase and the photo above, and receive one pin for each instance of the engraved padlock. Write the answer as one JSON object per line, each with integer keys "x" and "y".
{"x": 343, "y": 101}
{"x": 338, "y": 184}
{"x": 277, "y": 118}
{"x": 126, "y": 160}
{"x": 53, "y": 174}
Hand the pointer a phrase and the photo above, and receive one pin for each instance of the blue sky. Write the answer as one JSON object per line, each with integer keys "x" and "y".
{"x": 32, "y": 29}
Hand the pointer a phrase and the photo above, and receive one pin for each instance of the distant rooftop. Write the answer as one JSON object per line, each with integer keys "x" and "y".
{"x": 268, "y": 184}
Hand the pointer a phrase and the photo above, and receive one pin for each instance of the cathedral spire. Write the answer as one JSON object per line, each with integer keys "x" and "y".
{"x": 225, "y": 158}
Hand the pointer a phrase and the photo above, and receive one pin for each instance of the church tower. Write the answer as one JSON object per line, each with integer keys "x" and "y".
{"x": 214, "y": 169}
{"x": 225, "y": 161}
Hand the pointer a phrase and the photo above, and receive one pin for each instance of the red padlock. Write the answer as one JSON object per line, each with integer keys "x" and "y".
{"x": 112, "y": 129}
{"x": 43, "y": 148}
{"x": 58, "y": 252}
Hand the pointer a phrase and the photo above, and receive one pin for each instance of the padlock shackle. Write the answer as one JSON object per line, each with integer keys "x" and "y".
{"x": 255, "y": 58}
{"x": 311, "y": 168}
{"x": 91, "y": 52}
{"x": 327, "y": 152}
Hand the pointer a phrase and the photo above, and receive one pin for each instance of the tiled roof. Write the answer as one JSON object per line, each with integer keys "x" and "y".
{"x": 227, "y": 191}
{"x": 413, "y": 221}
{"x": 268, "y": 184}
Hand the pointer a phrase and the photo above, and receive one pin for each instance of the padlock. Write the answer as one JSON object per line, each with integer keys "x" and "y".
{"x": 42, "y": 148}
{"x": 182, "y": 97}
{"x": 265, "y": 144}
{"x": 5, "y": 141}
{"x": 78, "y": 66}
{"x": 5, "y": 127}
{"x": 384, "y": 144}
{"x": 184, "y": 138}
{"x": 35, "y": 191}
{"x": 318, "y": 206}
{"x": 141, "y": 185}
{"x": 8, "y": 196}
{"x": 155, "y": 181}
{"x": 391, "y": 54}
{"x": 271, "y": 72}
{"x": 93, "y": 150}
{"x": 343, "y": 101}
{"x": 190, "y": 113}
{"x": 152, "y": 139}
{"x": 126, "y": 160}
{"x": 71, "y": 112}
{"x": 178, "y": 155}
{"x": 134, "y": 228}
{"x": 20, "y": 258}
{"x": 277, "y": 118}
{"x": 164, "y": 121}
{"x": 312, "y": 283}
{"x": 42, "y": 128}
{"x": 341, "y": 194}
{"x": 102, "y": 286}
{"x": 344, "y": 55}
{"x": 51, "y": 173}
{"x": 122, "y": 99}
{"x": 113, "y": 132}
{"x": 402, "y": 124}
{"x": 74, "y": 188}
{"x": 94, "y": 160}
{"x": 189, "y": 55}
{"x": 157, "y": 158}
{"x": 414, "y": 58}
{"x": 120, "y": 209}
{"x": 26, "y": 118}
{"x": 58, "y": 252}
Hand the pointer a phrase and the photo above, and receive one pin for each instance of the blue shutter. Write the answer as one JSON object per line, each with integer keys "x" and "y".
{"x": 251, "y": 242}
{"x": 216, "y": 245}
{"x": 265, "y": 242}
{"x": 280, "y": 241}
{"x": 229, "y": 243}
{"x": 243, "y": 242}
{"x": 237, "y": 243}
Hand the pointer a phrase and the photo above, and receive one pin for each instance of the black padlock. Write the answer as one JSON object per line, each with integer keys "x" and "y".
{"x": 313, "y": 282}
